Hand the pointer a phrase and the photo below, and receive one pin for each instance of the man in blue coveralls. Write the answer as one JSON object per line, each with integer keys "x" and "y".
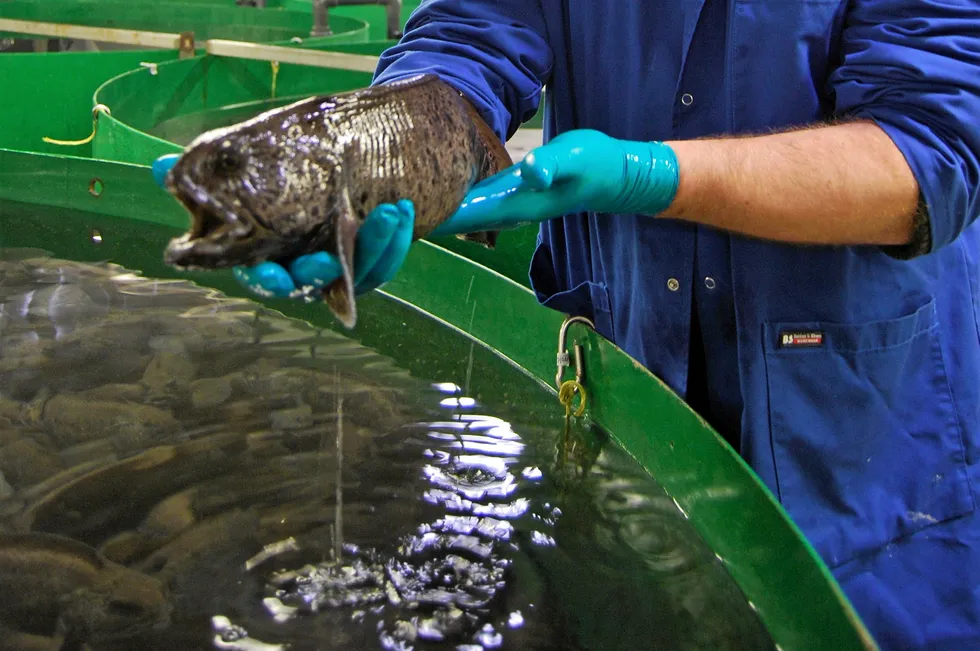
{"x": 770, "y": 204}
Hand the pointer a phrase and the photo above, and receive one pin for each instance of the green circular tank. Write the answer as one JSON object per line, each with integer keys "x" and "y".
{"x": 207, "y": 20}
{"x": 157, "y": 110}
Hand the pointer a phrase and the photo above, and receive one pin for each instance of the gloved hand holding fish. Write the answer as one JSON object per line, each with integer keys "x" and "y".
{"x": 303, "y": 178}
{"x": 325, "y": 196}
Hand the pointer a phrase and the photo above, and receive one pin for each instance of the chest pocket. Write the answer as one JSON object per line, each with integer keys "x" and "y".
{"x": 781, "y": 56}
{"x": 866, "y": 439}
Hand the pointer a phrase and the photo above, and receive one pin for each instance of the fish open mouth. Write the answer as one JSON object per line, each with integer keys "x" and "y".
{"x": 208, "y": 215}
{"x": 215, "y": 231}
{"x": 205, "y": 220}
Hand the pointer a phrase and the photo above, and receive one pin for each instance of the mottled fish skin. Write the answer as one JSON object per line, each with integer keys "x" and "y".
{"x": 54, "y": 585}
{"x": 302, "y": 178}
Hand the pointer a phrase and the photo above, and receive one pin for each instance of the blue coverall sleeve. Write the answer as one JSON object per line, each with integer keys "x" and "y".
{"x": 495, "y": 52}
{"x": 913, "y": 67}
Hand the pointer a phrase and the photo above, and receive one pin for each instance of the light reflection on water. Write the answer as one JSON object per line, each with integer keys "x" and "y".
{"x": 193, "y": 438}
{"x": 443, "y": 579}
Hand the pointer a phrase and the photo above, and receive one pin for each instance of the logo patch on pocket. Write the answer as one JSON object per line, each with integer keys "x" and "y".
{"x": 807, "y": 339}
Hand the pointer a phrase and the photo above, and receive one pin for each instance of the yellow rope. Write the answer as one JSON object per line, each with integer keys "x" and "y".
{"x": 99, "y": 108}
{"x": 567, "y": 392}
{"x": 275, "y": 76}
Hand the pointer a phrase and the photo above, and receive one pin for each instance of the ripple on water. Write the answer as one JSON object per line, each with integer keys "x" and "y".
{"x": 442, "y": 580}
{"x": 194, "y": 437}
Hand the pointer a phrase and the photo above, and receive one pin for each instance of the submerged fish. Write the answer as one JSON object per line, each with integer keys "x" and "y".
{"x": 302, "y": 178}
{"x": 56, "y": 586}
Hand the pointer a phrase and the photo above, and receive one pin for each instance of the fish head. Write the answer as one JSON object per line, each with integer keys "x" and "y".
{"x": 122, "y": 604}
{"x": 252, "y": 192}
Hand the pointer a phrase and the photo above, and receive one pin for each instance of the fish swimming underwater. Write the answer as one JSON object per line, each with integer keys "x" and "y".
{"x": 302, "y": 178}
{"x": 56, "y": 586}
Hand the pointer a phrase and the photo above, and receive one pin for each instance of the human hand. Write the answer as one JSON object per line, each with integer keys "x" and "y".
{"x": 382, "y": 244}
{"x": 380, "y": 249}
{"x": 576, "y": 171}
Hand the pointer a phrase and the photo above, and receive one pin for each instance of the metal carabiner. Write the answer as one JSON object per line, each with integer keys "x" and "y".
{"x": 563, "y": 359}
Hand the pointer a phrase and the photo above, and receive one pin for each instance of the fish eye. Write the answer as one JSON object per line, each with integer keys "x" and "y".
{"x": 228, "y": 162}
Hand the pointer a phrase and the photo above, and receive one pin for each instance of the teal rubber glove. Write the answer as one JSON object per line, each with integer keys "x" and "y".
{"x": 379, "y": 251}
{"x": 382, "y": 244}
{"x": 581, "y": 170}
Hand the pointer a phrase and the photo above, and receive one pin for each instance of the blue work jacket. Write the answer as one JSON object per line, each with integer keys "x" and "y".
{"x": 851, "y": 375}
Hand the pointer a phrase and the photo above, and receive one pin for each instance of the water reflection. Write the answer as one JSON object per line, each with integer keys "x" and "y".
{"x": 290, "y": 488}
{"x": 443, "y": 581}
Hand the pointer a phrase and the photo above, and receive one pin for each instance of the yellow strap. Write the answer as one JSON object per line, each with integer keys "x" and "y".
{"x": 99, "y": 108}
{"x": 275, "y": 77}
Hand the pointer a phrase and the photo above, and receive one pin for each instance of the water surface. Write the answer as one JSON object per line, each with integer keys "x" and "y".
{"x": 292, "y": 488}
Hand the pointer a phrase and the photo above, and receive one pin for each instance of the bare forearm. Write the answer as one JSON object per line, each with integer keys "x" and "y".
{"x": 840, "y": 184}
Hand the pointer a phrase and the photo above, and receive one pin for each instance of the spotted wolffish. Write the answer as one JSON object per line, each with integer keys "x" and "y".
{"x": 57, "y": 586}
{"x": 303, "y": 177}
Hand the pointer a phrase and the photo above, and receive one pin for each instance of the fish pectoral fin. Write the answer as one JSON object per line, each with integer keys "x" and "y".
{"x": 339, "y": 295}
